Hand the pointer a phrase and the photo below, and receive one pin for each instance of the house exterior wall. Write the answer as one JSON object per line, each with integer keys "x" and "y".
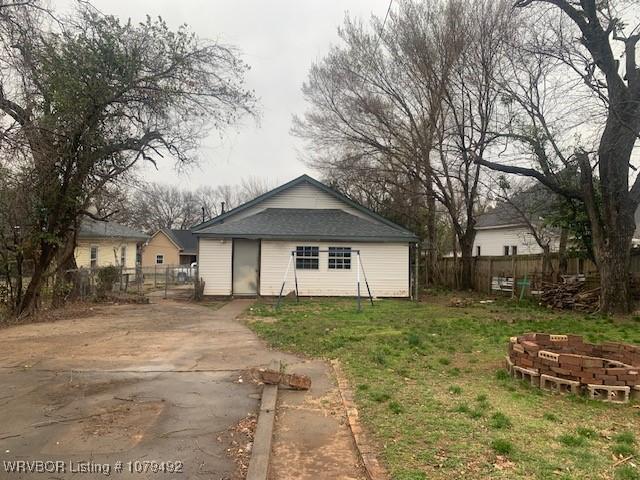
{"x": 493, "y": 240}
{"x": 300, "y": 196}
{"x": 108, "y": 252}
{"x": 214, "y": 265}
{"x": 386, "y": 266}
{"x": 160, "y": 244}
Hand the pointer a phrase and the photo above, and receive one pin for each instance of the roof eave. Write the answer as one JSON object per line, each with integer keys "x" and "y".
{"x": 336, "y": 238}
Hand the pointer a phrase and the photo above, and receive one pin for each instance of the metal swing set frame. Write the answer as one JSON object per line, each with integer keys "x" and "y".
{"x": 359, "y": 267}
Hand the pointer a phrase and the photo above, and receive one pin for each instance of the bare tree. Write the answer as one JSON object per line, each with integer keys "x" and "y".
{"x": 412, "y": 101}
{"x": 89, "y": 99}
{"x": 581, "y": 40}
{"x": 374, "y": 104}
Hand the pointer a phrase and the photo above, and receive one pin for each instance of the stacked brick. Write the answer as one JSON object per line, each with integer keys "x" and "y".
{"x": 609, "y": 371}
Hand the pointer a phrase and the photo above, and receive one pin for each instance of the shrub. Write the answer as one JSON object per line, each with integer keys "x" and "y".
{"x": 106, "y": 278}
{"x": 500, "y": 421}
{"x": 502, "y": 446}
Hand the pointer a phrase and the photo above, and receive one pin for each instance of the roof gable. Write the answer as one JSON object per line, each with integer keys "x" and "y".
{"x": 167, "y": 235}
{"x": 267, "y": 200}
{"x": 90, "y": 228}
{"x": 308, "y": 223}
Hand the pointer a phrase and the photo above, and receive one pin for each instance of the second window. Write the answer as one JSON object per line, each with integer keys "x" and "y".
{"x": 339, "y": 258}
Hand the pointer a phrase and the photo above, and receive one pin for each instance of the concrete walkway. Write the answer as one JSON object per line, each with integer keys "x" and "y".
{"x": 312, "y": 440}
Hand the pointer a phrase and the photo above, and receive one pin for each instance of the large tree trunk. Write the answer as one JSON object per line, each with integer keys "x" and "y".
{"x": 613, "y": 255}
{"x": 29, "y": 302}
{"x": 66, "y": 284}
{"x": 563, "y": 261}
{"x": 547, "y": 265}
{"x": 466, "y": 254}
{"x": 613, "y": 224}
{"x": 432, "y": 239}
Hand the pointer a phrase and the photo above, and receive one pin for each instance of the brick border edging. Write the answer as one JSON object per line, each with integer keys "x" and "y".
{"x": 261, "y": 449}
{"x": 364, "y": 446}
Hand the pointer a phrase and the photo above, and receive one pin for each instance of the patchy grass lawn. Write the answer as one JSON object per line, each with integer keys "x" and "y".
{"x": 430, "y": 386}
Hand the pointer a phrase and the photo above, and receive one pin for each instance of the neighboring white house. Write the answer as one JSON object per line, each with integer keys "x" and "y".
{"x": 318, "y": 230}
{"x": 503, "y": 230}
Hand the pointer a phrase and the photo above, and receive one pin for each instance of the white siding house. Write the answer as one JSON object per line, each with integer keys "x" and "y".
{"x": 507, "y": 240}
{"x": 309, "y": 232}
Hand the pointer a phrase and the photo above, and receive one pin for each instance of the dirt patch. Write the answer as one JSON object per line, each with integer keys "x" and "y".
{"x": 64, "y": 391}
{"x": 72, "y": 310}
{"x": 112, "y": 428}
{"x": 240, "y": 438}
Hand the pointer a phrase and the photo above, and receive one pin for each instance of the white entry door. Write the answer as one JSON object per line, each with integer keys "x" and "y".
{"x": 246, "y": 258}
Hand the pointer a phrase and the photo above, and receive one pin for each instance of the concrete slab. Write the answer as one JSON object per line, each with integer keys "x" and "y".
{"x": 165, "y": 382}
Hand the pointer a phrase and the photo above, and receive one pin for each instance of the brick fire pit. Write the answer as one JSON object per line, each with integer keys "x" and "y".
{"x": 567, "y": 364}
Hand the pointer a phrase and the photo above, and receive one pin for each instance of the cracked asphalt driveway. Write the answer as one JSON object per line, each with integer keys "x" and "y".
{"x": 131, "y": 383}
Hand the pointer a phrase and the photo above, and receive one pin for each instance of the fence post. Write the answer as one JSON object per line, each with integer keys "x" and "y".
{"x": 514, "y": 274}
{"x": 166, "y": 281}
{"x": 490, "y": 274}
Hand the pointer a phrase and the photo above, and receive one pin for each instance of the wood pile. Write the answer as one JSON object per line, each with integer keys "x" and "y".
{"x": 570, "y": 296}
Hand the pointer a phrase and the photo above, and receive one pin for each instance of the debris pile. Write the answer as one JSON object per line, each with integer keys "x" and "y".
{"x": 609, "y": 371}
{"x": 570, "y": 296}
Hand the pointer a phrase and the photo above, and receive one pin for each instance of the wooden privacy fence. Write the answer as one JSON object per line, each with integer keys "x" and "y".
{"x": 487, "y": 271}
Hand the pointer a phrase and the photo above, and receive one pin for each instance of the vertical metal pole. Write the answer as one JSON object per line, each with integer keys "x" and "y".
{"x": 295, "y": 277}
{"x": 366, "y": 282}
{"x": 416, "y": 273}
{"x": 286, "y": 274}
{"x": 358, "y": 279}
{"x": 166, "y": 281}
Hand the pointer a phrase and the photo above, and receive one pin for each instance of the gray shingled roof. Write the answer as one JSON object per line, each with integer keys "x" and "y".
{"x": 312, "y": 224}
{"x": 534, "y": 202}
{"x": 298, "y": 181}
{"x": 90, "y": 228}
{"x": 185, "y": 238}
{"x": 503, "y": 214}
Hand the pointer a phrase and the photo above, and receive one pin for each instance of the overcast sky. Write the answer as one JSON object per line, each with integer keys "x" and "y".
{"x": 279, "y": 39}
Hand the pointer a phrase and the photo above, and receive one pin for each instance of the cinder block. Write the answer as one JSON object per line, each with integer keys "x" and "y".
{"x": 545, "y": 354}
{"x": 558, "y": 338}
{"x": 527, "y": 374}
{"x": 607, "y": 393}
{"x": 559, "y": 385}
{"x": 508, "y": 364}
